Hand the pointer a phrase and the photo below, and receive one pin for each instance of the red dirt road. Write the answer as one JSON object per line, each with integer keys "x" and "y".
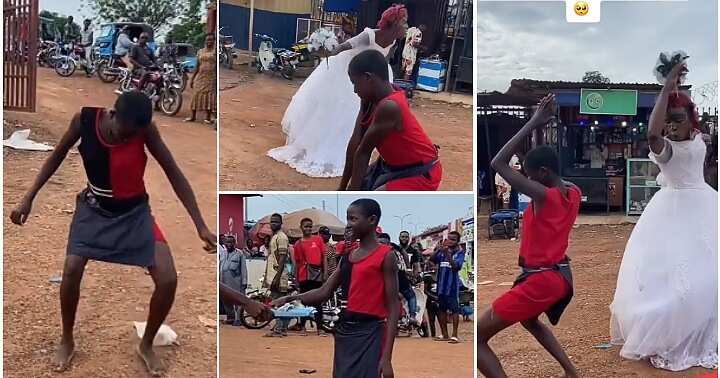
{"x": 112, "y": 297}
{"x": 596, "y": 252}
{"x": 246, "y": 352}
{"x": 252, "y": 107}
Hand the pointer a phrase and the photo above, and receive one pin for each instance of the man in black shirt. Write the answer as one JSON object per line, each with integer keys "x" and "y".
{"x": 414, "y": 258}
{"x": 142, "y": 58}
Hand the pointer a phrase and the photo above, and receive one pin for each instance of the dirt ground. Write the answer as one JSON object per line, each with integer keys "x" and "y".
{"x": 596, "y": 252}
{"x": 251, "y": 111}
{"x": 248, "y": 352}
{"x": 112, "y": 297}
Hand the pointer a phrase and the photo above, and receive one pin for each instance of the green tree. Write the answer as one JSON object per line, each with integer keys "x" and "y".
{"x": 595, "y": 77}
{"x": 157, "y": 13}
{"x": 52, "y": 24}
{"x": 190, "y": 29}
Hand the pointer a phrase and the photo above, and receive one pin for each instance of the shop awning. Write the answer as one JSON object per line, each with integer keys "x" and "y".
{"x": 342, "y": 6}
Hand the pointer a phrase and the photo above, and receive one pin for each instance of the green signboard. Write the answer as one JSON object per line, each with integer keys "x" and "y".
{"x": 608, "y": 101}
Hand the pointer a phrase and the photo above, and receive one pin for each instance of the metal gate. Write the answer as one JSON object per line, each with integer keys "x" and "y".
{"x": 20, "y": 43}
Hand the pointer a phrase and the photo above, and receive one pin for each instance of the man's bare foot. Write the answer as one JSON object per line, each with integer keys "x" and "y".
{"x": 63, "y": 357}
{"x": 572, "y": 374}
{"x": 152, "y": 361}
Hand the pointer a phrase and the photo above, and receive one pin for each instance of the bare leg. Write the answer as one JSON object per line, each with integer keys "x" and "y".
{"x": 488, "y": 363}
{"x": 165, "y": 277}
{"x": 442, "y": 319}
{"x": 69, "y": 297}
{"x": 431, "y": 321}
{"x": 545, "y": 337}
{"x": 456, "y": 324}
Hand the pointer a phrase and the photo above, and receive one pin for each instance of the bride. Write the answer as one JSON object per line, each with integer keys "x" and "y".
{"x": 665, "y": 306}
{"x": 320, "y": 119}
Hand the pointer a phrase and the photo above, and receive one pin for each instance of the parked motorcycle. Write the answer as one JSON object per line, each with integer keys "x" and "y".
{"x": 306, "y": 57}
{"x": 227, "y": 49}
{"x": 160, "y": 86}
{"x": 72, "y": 57}
{"x": 275, "y": 60}
{"x": 48, "y": 52}
{"x": 109, "y": 68}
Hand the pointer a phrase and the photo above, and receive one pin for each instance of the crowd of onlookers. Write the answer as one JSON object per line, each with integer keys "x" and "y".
{"x": 308, "y": 262}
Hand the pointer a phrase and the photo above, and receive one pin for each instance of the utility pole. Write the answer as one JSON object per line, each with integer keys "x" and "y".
{"x": 323, "y": 202}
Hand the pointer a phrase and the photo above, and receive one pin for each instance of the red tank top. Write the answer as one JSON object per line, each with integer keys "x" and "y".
{"x": 545, "y": 235}
{"x": 363, "y": 283}
{"x": 406, "y": 147}
{"x": 114, "y": 172}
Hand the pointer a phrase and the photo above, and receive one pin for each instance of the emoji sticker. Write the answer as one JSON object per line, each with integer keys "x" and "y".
{"x": 581, "y": 8}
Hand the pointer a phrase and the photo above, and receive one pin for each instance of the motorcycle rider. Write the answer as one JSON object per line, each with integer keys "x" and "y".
{"x": 86, "y": 42}
{"x": 123, "y": 46}
{"x": 143, "y": 59}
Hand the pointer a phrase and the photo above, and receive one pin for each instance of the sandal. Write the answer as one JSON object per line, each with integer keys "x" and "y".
{"x": 454, "y": 340}
{"x": 189, "y": 120}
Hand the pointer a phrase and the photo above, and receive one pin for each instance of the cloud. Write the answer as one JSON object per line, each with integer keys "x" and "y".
{"x": 532, "y": 40}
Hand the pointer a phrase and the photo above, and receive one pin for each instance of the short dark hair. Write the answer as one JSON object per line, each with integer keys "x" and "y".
{"x": 276, "y": 215}
{"x": 384, "y": 235}
{"x": 324, "y": 230}
{"x": 455, "y": 233}
{"x": 404, "y": 232}
{"x": 370, "y": 61}
{"x": 135, "y": 108}
{"x": 230, "y": 237}
{"x": 368, "y": 207}
{"x": 305, "y": 220}
{"x": 542, "y": 156}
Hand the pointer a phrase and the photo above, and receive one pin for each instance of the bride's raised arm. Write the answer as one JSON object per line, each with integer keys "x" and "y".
{"x": 360, "y": 40}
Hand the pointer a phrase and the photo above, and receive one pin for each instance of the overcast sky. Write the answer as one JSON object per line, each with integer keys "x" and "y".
{"x": 533, "y": 40}
{"x": 426, "y": 210}
{"x": 75, "y": 8}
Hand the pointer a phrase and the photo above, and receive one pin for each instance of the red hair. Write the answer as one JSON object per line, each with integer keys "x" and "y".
{"x": 392, "y": 15}
{"x": 682, "y": 100}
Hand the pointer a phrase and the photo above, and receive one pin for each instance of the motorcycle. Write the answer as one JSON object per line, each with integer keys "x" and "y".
{"x": 72, "y": 57}
{"x": 109, "y": 69}
{"x": 275, "y": 60}
{"x": 227, "y": 49}
{"x": 48, "y": 52}
{"x": 306, "y": 58}
{"x": 161, "y": 87}
{"x": 179, "y": 72}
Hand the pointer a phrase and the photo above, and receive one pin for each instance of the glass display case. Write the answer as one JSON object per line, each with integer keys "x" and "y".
{"x": 641, "y": 184}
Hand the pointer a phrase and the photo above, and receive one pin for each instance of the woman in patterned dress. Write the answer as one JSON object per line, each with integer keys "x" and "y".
{"x": 205, "y": 77}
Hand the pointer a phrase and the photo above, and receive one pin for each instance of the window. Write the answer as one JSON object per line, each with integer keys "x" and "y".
{"x": 106, "y": 30}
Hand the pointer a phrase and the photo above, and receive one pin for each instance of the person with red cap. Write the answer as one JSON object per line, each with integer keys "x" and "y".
{"x": 665, "y": 305}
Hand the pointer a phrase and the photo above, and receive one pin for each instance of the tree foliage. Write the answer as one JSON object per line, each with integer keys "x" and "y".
{"x": 190, "y": 29}
{"x": 595, "y": 77}
{"x": 159, "y": 14}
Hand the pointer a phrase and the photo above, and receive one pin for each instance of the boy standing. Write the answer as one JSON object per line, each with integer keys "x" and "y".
{"x": 276, "y": 276}
{"x": 449, "y": 261}
{"x": 309, "y": 267}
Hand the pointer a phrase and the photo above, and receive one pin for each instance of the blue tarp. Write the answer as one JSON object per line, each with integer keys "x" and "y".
{"x": 236, "y": 20}
{"x": 344, "y": 6}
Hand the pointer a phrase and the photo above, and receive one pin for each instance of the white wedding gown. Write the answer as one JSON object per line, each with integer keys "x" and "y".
{"x": 665, "y": 305}
{"x": 321, "y": 116}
